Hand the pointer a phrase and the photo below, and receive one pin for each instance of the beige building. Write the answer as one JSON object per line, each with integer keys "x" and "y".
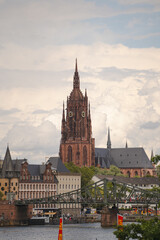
{"x": 9, "y": 177}
{"x": 68, "y": 182}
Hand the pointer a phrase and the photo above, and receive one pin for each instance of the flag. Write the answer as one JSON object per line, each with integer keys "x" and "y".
{"x": 60, "y": 237}
{"x": 119, "y": 220}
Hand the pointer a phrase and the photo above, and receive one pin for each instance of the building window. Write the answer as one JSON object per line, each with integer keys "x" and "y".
{"x": 69, "y": 154}
{"x": 66, "y": 186}
{"x": 84, "y": 155}
{"x": 60, "y": 186}
{"x": 5, "y": 184}
{"x": 63, "y": 186}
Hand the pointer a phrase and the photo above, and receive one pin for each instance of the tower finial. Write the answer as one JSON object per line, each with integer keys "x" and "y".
{"x": 126, "y": 144}
{"x": 63, "y": 115}
{"x": 76, "y": 82}
{"x": 109, "y": 140}
{"x": 76, "y": 68}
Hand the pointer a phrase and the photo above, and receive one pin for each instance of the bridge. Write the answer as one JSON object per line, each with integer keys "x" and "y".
{"x": 104, "y": 192}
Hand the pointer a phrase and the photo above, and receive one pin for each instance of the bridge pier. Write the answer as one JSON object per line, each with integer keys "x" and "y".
{"x": 109, "y": 217}
{"x": 12, "y": 214}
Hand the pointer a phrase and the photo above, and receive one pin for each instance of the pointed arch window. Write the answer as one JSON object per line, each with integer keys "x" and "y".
{"x": 84, "y": 155}
{"x": 129, "y": 174}
{"x": 69, "y": 154}
{"x": 136, "y": 173}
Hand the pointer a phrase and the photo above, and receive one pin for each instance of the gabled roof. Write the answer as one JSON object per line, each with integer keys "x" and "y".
{"x": 134, "y": 181}
{"x": 130, "y": 158}
{"x": 123, "y": 157}
{"x": 57, "y": 164}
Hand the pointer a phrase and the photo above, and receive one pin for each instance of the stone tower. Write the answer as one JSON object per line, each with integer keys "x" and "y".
{"x": 77, "y": 144}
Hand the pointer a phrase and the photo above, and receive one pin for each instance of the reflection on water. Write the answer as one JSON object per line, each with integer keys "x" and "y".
{"x": 90, "y": 231}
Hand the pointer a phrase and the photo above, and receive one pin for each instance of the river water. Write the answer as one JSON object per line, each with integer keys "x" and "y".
{"x": 89, "y": 231}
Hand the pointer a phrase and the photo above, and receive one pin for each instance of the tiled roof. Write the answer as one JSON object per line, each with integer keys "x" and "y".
{"x": 135, "y": 181}
{"x": 57, "y": 164}
{"x": 34, "y": 169}
{"x": 123, "y": 157}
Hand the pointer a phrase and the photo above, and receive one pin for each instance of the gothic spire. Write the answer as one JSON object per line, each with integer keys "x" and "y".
{"x": 152, "y": 155}
{"x": 63, "y": 115}
{"x": 126, "y": 144}
{"x": 109, "y": 140}
{"x": 7, "y": 163}
{"x": 76, "y": 82}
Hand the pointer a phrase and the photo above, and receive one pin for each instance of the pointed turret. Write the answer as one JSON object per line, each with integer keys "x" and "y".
{"x": 126, "y": 144}
{"x": 63, "y": 115}
{"x": 89, "y": 114}
{"x": 152, "y": 155}
{"x": 109, "y": 140}
{"x": 76, "y": 82}
{"x": 7, "y": 164}
{"x": 63, "y": 125}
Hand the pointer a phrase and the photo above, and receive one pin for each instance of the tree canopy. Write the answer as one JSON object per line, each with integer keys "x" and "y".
{"x": 88, "y": 172}
{"x": 147, "y": 230}
{"x": 156, "y": 159}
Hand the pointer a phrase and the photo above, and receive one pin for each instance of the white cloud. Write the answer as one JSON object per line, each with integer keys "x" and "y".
{"x": 33, "y": 142}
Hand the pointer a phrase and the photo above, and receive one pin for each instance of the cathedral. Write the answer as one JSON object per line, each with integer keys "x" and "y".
{"x": 77, "y": 144}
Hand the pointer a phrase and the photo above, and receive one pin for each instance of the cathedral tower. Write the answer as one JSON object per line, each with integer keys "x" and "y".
{"x": 77, "y": 144}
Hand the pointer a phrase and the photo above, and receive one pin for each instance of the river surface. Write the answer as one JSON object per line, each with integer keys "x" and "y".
{"x": 89, "y": 231}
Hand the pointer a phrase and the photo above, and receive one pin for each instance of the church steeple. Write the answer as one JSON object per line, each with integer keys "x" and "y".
{"x": 109, "y": 140}
{"x": 76, "y": 82}
{"x": 77, "y": 144}
{"x": 7, "y": 163}
{"x": 126, "y": 144}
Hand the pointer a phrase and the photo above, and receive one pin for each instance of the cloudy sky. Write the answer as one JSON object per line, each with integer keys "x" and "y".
{"x": 117, "y": 44}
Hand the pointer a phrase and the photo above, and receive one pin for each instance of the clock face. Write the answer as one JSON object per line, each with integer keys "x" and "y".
{"x": 83, "y": 114}
{"x": 70, "y": 114}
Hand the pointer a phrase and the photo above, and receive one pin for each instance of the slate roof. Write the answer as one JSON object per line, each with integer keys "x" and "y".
{"x": 57, "y": 164}
{"x": 135, "y": 181}
{"x": 34, "y": 169}
{"x": 123, "y": 157}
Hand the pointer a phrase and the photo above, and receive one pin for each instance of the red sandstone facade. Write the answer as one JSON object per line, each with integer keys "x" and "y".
{"x": 133, "y": 172}
{"x": 77, "y": 144}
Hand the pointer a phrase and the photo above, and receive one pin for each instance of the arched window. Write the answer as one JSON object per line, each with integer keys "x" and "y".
{"x": 77, "y": 157}
{"x": 148, "y": 173}
{"x": 136, "y": 173}
{"x": 128, "y": 173}
{"x": 69, "y": 154}
{"x": 84, "y": 156}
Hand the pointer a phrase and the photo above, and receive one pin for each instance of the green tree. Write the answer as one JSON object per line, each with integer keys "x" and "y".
{"x": 115, "y": 171}
{"x": 156, "y": 159}
{"x": 147, "y": 230}
{"x": 86, "y": 173}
